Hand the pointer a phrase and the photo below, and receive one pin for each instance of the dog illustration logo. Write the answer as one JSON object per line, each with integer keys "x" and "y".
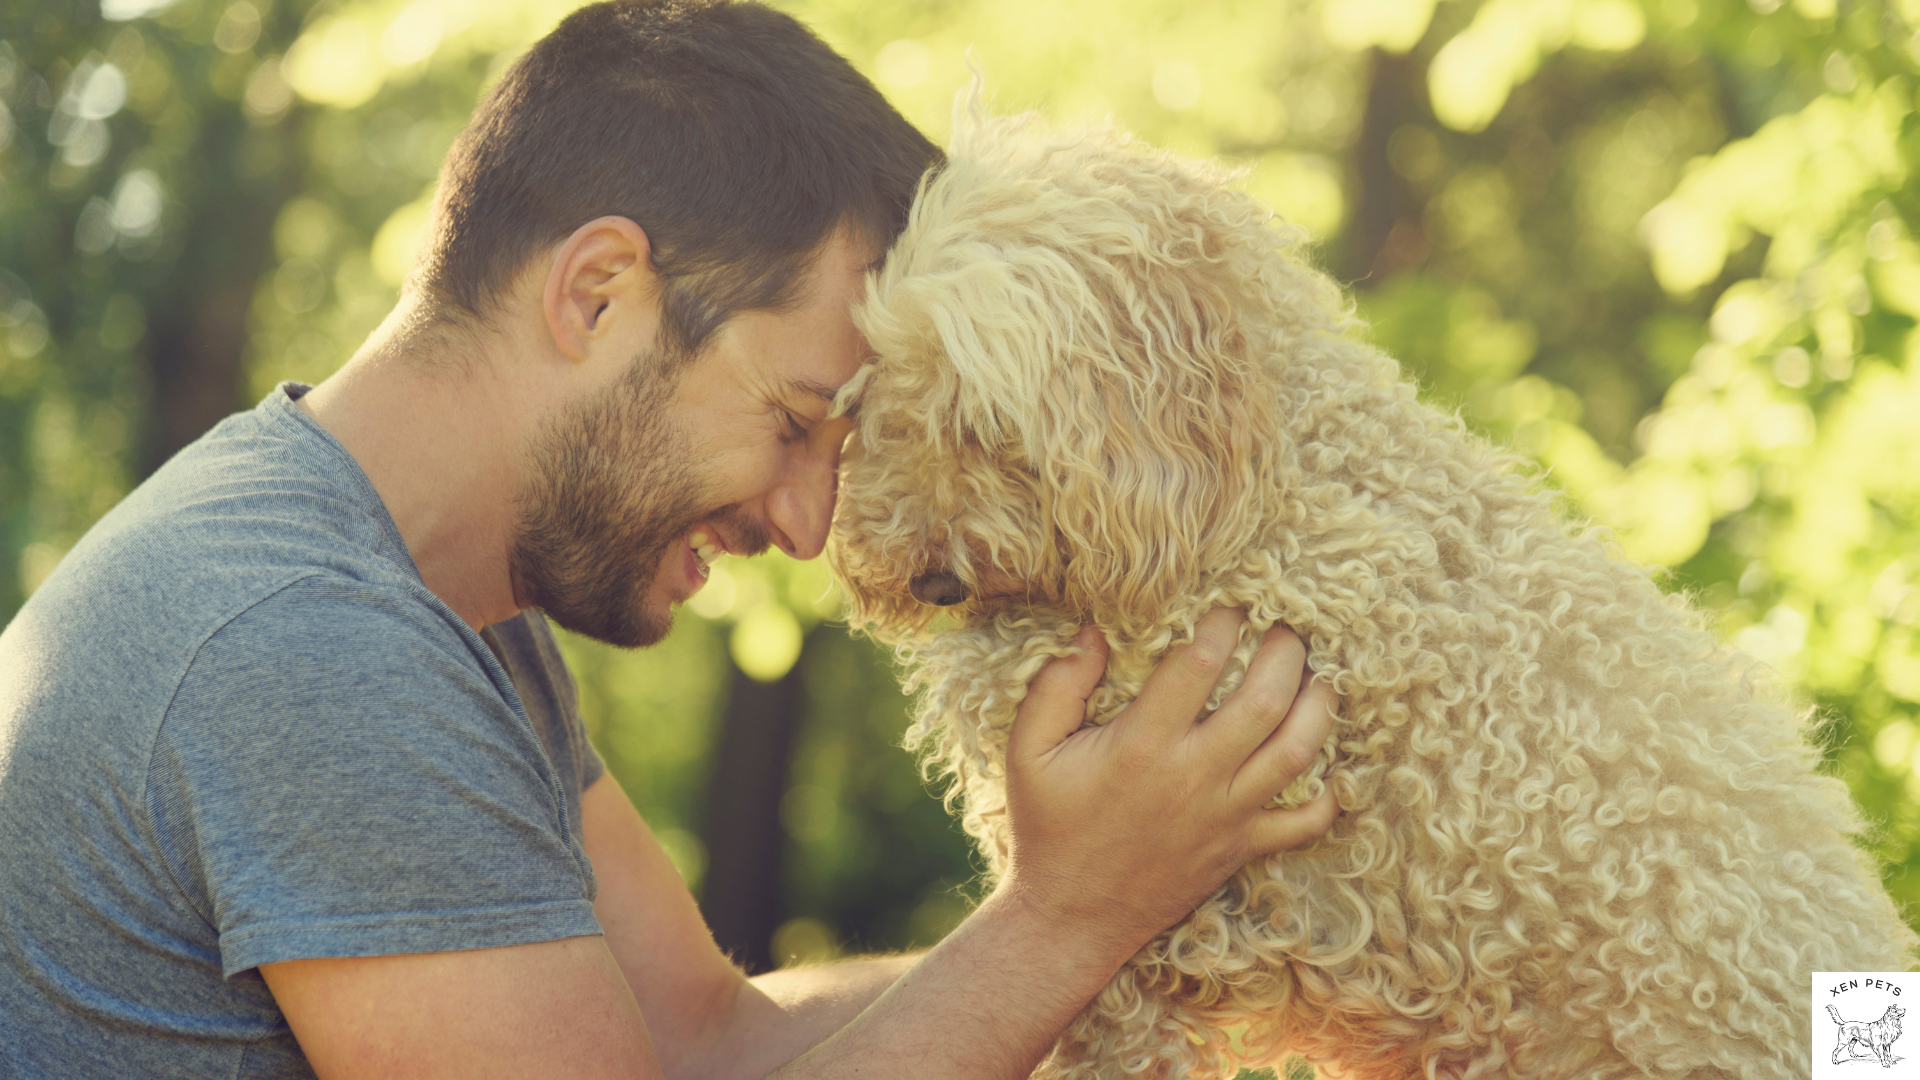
{"x": 1859, "y": 1040}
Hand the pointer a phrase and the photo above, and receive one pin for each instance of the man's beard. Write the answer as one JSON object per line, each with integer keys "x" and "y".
{"x": 611, "y": 494}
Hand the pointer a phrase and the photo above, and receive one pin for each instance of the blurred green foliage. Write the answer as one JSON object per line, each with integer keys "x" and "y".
{"x": 1664, "y": 248}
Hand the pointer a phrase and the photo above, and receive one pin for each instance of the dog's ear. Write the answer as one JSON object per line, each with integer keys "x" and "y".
{"x": 1150, "y": 449}
{"x": 967, "y": 323}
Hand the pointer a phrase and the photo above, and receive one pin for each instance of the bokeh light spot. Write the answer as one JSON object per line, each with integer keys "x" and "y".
{"x": 765, "y": 642}
{"x": 1176, "y": 84}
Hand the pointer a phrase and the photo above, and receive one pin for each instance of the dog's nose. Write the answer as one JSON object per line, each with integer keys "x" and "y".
{"x": 939, "y": 588}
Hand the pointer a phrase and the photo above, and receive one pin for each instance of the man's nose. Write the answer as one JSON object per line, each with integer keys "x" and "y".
{"x": 800, "y": 510}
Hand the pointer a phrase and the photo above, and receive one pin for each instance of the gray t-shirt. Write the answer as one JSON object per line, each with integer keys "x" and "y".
{"x": 235, "y": 728}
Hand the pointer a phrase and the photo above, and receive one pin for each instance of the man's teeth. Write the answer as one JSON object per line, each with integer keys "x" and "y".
{"x": 703, "y": 546}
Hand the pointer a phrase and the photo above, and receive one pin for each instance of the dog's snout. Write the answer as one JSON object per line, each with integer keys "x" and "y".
{"x": 939, "y": 588}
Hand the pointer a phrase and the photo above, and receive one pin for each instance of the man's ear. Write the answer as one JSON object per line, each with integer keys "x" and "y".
{"x": 600, "y": 275}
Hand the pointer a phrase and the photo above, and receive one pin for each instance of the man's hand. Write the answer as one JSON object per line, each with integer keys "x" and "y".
{"x": 1121, "y": 830}
{"x": 1117, "y": 833}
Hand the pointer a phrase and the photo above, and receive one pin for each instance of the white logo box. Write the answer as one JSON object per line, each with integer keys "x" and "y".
{"x": 1864, "y": 1025}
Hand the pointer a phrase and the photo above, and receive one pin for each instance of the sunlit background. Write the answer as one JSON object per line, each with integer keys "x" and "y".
{"x": 1664, "y": 249}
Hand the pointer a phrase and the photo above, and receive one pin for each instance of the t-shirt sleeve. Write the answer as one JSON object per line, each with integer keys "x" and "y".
{"x": 339, "y": 775}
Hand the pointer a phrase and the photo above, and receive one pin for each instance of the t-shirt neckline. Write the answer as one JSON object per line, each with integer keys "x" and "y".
{"x": 280, "y": 409}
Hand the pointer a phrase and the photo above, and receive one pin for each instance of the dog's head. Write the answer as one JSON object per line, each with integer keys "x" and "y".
{"x": 1075, "y": 395}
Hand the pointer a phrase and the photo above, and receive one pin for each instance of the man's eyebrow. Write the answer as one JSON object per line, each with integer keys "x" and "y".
{"x": 816, "y": 389}
{"x": 825, "y": 393}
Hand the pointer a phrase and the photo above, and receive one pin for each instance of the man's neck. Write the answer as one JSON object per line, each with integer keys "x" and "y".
{"x": 440, "y": 435}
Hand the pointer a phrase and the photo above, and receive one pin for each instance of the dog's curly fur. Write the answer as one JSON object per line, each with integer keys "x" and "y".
{"x": 1576, "y": 839}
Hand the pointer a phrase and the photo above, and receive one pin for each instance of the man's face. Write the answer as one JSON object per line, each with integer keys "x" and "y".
{"x": 733, "y": 448}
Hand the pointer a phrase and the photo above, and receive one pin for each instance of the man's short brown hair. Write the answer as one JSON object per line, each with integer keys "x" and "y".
{"x": 730, "y": 133}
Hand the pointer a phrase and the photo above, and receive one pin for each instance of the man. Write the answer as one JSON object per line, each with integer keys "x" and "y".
{"x": 290, "y": 778}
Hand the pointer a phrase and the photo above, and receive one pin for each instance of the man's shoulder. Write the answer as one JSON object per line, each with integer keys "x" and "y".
{"x": 256, "y": 504}
{"x": 257, "y": 521}
{"x": 338, "y": 675}
{"x": 324, "y": 628}
{"x": 258, "y": 500}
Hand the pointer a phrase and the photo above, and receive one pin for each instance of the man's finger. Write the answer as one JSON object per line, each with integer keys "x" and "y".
{"x": 1290, "y": 750}
{"x": 1178, "y": 688}
{"x": 1275, "y": 831}
{"x": 1260, "y": 703}
{"x": 1056, "y": 702}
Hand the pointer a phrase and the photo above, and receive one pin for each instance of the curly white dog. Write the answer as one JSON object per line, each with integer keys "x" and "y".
{"x": 1576, "y": 840}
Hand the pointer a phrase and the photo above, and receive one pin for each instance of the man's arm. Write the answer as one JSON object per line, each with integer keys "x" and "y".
{"x": 707, "y": 1019}
{"x": 581, "y": 1006}
{"x": 818, "y": 999}
{"x": 555, "y": 1008}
